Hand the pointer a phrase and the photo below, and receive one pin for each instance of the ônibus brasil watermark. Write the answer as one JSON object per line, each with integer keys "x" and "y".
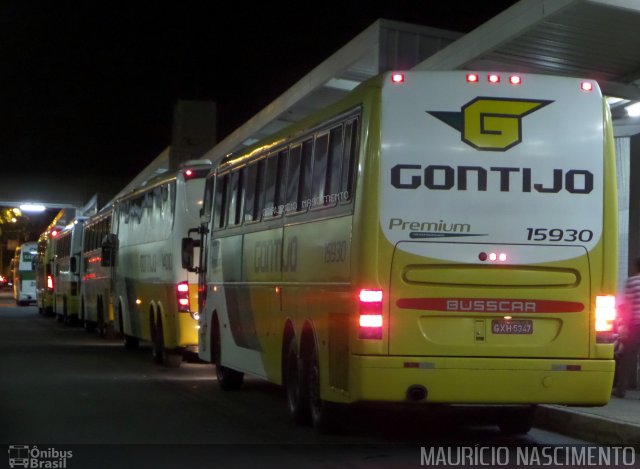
{"x": 33, "y": 457}
{"x": 533, "y": 456}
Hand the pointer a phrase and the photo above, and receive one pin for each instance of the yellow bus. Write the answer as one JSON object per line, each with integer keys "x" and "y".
{"x": 67, "y": 271}
{"x": 434, "y": 237}
{"x": 45, "y": 264}
{"x": 24, "y": 276}
{"x": 154, "y": 298}
{"x": 95, "y": 290}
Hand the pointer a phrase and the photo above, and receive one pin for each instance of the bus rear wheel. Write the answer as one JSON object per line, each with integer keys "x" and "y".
{"x": 296, "y": 386}
{"x": 130, "y": 342}
{"x": 323, "y": 413}
{"x": 518, "y": 420}
{"x": 228, "y": 379}
{"x": 161, "y": 355}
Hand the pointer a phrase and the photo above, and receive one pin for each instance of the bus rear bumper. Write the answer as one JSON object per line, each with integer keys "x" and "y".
{"x": 482, "y": 380}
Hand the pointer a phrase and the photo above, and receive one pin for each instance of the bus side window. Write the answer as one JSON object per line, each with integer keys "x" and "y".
{"x": 250, "y": 192}
{"x": 220, "y": 203}
{"x": 281, "y": 184}
{"x": 235, "y": 198}
{"x": 319, "y": 179}
{"x": 207, "y": 207}
{"x": 259, "y": 198}
{"x": 306, "y": 166}
{"x": 293, "y": 178}
{"x": 334, "y": 163}
{"x": 349, "y": 160}
{"x": 272, "y": 184}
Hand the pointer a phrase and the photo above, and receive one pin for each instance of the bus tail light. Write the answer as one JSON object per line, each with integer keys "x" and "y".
{"x": 370, "y": 314}
{"x": 605, "y": 318}
{"x": 182, "y": 293}
{"x": 515, "y": 79}
{"x": 397, "y": 77}
{"x": 472, "y": 78}
{"x": 50, "y": 282}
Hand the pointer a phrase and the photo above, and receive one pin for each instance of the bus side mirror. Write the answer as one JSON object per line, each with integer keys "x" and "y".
{"x": 109, "y": 250}
{"x": 73, "y": 264}
{"x": 188, "y": 245}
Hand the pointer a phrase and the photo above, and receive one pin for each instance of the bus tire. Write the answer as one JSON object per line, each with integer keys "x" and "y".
{"x": 323, "y": 413}
{"x": 100, "y": 322}
{"x": 517, "y": 421}
{"x": 157, "y": 342}
{"x": 161, "y": 355}
{"x": 296, "y": 386}
{"x": 131, "y": 343}
{"x": 172, "y": 359}
{"x": 228, "y": 379}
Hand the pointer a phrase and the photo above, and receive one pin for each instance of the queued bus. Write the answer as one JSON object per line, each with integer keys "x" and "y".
{"x": 68, "y": 272}
{"x": 95, "y": 289}
{"x": 24, "y": 276}
{"x": 44, "y": 267}
{"x": 434, "y": 237}
{"x": 154, "y": 298}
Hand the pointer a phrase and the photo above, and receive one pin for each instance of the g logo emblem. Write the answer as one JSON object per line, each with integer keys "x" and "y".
{"x": 491, "y": 124}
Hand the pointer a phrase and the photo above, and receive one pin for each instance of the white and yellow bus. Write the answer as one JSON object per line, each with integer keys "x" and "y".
{"x": 68, "y": 271}
{"x": 24, "y": 275}
{"x": 154, "y": 298}
{"x": 95, "y": 290}
{"x": 434, "y": 237}
{"x": 45, "y": 266}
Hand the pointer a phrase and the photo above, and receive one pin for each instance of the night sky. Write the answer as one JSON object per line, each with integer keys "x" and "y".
{"x": 93, "y": 84}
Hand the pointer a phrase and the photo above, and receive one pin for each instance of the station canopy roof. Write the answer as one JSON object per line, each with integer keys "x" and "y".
{"x": 595, "y": 39}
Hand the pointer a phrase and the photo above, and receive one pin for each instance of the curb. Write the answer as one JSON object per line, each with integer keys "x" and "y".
{"x": 587, "y": 427}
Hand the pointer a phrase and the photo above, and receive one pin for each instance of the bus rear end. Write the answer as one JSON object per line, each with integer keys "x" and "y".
{"x": 495, "y": 275}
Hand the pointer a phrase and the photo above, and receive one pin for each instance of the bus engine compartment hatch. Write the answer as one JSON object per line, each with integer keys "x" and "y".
{"x": 463, "y": 299}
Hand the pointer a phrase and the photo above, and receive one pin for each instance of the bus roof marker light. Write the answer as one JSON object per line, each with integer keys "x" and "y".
{"x": 472, "y": 78}
{"x": 515, "y": 80}
{"x": 397, "y": 77}
{"x": 494, "y": 78}
{"x": 586, "y": 86}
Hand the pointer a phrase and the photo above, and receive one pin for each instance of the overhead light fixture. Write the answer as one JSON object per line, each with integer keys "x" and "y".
{"x": 32, "y": 208}
{"x": 633, "y": 110}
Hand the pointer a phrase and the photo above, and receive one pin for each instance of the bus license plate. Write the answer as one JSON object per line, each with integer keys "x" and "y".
{"x": 512, "y": 326}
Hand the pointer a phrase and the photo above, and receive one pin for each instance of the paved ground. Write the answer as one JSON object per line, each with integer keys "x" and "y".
{"x": 62, "y": 387}
{"x": 616, "y": 423}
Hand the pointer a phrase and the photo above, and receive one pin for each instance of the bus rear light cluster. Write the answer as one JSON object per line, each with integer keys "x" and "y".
{"x": 605, "y": 318}
{"x": 370, "y": 314}
{"x": 182, "y": 293}
{"x": 494, "y": 78}
{"x": 493, "y": 256}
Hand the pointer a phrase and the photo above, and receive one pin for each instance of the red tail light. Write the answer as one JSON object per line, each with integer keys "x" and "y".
{"x": 182, "y": 293}
{"x": 605, "y": 318}
{"x": 50, "y": 282}
{"x": 370, "y": 314}
{"x": 472, "y": 78}
{"x": 397, "y": 77}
